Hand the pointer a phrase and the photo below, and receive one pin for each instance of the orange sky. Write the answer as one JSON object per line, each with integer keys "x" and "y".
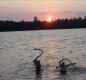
{"x": 27, "y": 9}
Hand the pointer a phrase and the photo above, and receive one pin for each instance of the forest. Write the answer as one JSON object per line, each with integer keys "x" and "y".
{"x": 76, "y": 22}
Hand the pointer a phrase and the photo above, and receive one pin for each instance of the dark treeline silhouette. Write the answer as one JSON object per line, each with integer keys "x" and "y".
{"x": 42, "y": 25}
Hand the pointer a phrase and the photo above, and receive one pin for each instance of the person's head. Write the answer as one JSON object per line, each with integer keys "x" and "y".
{"x": 38, "y": 62}
{"x": 63, "y": 64}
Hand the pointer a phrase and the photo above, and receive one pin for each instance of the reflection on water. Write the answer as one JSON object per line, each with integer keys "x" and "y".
{"x": 17, "y": 54}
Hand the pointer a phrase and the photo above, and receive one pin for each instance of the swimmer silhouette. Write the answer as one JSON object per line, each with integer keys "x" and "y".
{"x": 63, "y": 69}
{"x": 37, "y": 62}
{"x": 63, "y": 66}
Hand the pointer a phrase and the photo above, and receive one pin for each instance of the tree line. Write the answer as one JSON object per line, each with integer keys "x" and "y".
{"x": 76, "y": 22}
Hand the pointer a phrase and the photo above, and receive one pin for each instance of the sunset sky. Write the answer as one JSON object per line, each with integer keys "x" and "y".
{"x": 27, "y": 9}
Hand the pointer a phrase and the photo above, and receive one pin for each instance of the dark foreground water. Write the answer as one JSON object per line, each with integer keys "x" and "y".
{"x": 17, "y": 54}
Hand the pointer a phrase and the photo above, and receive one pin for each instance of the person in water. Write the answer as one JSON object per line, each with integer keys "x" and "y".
{"x": 37, "y": 62}
{"x": 38, "y": 66}
{"x": 63, "y": 67}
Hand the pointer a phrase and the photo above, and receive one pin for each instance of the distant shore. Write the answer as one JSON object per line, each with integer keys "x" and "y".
{"x": 42, "y": 25}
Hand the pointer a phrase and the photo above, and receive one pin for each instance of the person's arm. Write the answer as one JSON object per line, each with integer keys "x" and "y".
{"x": 39, "y": 55}
{"x": 61, "y": 61}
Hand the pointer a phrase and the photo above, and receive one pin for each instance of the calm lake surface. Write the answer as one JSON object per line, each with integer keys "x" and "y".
{"x": 17, "y": 54}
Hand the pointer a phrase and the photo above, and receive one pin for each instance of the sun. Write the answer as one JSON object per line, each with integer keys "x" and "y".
{"x": 49, "y": 19}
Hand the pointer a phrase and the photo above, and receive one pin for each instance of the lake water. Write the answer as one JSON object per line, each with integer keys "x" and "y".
{"x": 17, "y": 54}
